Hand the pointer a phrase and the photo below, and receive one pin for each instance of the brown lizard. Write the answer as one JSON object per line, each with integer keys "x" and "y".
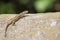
{"x": 14, "y": 19}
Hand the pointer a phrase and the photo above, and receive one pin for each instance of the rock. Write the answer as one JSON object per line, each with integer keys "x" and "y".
{"x": 32, "y": 27}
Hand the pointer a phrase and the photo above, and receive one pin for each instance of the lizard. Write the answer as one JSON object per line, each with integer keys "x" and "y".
{"x": 14, "y": 19}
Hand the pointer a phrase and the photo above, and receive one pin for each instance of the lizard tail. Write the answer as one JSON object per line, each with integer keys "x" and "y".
{"x": 6, "y": 30}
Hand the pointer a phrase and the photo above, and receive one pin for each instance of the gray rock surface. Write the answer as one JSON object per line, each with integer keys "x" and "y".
{"x": 32, "y": 27}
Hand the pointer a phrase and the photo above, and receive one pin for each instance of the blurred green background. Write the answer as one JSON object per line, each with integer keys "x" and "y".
{"x": 33, "y": 6}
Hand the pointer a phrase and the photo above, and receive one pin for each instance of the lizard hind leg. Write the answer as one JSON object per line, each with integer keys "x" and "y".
{"x": 13, "y": 23}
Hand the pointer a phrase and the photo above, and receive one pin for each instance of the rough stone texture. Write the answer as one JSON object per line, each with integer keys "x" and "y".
{"x": 32, "y": 27}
